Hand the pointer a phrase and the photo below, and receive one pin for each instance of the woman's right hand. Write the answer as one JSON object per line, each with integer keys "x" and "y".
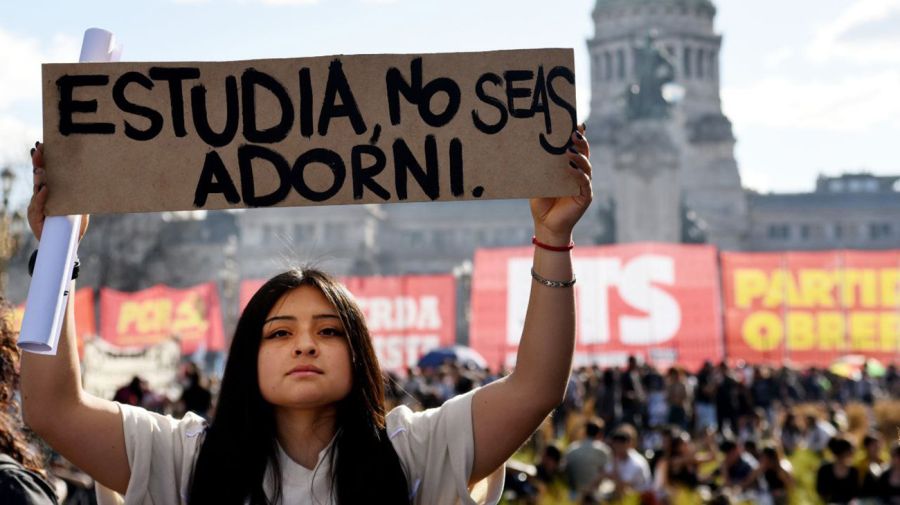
{"x": 36, "y": 208}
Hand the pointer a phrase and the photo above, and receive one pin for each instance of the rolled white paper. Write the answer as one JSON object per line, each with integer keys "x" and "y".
{"x": 45, "y": 307}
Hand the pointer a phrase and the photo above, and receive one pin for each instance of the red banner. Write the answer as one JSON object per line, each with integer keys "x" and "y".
{"x": 407, "y": 315}
{"x": 85, "y": 326}
{"x": 656, "y": 301}
{"x": 811, "y": 308}
{"x": 154, "y": 315}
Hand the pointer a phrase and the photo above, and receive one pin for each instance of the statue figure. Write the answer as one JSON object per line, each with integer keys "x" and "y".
{"x": 654, "y": 70}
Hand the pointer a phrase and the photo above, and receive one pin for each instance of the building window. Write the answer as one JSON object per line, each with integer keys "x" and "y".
{"x": 879, "y": 231}
{"x": 688, "y": 54}
{"x": 700, "y": 62}
{"x": 304, "y": 232}
{"x": 713, "y": 71}
{"x": 838, "y": 232}
{"x": 620, "y": 64}
{"x": 805, "y": 232}
{"x": 608, "y": 65}
{"x": 779, "y": 231}
{"x": 417, "y": 239}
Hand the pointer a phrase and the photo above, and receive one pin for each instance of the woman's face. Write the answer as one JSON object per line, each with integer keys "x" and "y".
{"x": 304, "y": 355}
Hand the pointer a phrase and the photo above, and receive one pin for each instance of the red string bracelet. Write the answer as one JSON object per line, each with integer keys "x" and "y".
{"x": 548, "y": 247}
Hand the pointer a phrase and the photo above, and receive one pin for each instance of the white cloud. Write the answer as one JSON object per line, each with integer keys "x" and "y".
{"x": 20, "y": 64}
{"x": 279, "y": 3}
{"x": 757, "y": 180}
{"x": 20, "y": 90}
{"x": 778, "y": 57}
{"x": 838, "y": 39}
{"x": 852, "y": 103}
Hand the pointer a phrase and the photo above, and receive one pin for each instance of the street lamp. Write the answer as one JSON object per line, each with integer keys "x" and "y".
{"x": 7, "y": 177}
{"x": 463, "y": 275}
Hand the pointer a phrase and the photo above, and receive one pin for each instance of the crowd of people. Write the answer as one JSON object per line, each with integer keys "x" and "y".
{"x": 739, "y": 434}
{"x": 640, "y": 435}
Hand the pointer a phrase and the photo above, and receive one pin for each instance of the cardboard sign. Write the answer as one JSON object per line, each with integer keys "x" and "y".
{"x": 147, "y": 137}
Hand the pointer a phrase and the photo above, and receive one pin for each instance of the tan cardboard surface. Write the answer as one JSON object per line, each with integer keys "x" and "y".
{"x": 118, "y": 140}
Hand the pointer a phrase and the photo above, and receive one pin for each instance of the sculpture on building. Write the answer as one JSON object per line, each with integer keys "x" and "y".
{"x": 653, "y": 70}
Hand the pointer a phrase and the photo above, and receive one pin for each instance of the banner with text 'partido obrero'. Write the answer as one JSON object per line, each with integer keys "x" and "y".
{"x": 659, "y": 302}
{"x": 407, "y": 315}
{"x": 810, "y": 308}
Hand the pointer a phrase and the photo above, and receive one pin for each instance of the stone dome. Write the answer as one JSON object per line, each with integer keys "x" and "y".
{"x": 700, "y": 6}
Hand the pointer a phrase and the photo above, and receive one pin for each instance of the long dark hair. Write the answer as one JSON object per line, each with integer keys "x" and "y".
{"x": 13, "y": 439}
{"x": 241, "y": 443}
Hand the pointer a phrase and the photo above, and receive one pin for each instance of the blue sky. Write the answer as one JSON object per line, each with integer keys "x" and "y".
{"x": 812, "y": 86}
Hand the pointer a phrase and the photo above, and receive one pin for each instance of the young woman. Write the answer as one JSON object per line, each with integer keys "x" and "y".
{"x": 301, "y": 416}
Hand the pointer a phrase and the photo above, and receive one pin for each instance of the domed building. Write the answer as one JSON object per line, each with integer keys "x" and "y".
{"x": 656, "y": 123}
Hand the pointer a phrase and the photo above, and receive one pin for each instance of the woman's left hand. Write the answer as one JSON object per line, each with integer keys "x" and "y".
{"x": 554, "y": 218}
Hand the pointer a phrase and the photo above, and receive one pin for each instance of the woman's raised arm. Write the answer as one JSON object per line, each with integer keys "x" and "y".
{"x": 85, "y": 429}
{"x": 506, "y": 412}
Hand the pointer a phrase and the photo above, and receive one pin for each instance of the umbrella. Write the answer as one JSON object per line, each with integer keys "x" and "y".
{"x": 459, "y": 354}
{"x": 852, "y": 365}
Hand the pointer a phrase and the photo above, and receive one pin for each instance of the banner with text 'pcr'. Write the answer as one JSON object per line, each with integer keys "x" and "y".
{"x": 160, "y": 313}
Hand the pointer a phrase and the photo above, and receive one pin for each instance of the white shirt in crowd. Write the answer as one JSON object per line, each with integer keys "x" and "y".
{"x": 820, "y": 434}
{"x": 633, "y": 470}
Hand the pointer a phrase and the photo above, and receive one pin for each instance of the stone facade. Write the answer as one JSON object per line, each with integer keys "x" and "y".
{"x": 852, "y": 211}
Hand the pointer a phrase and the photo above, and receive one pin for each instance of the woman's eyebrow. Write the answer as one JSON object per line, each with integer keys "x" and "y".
{"x": 279, "y": 318}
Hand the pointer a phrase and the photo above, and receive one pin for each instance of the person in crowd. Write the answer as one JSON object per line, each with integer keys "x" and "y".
{"x": 195, "y": 397}
{"x": 23, "y": 478}
{"x": 677, "y": 471}
{"x": 889, "y": 482}
{"x": 301, "y": 415}
{"x": 738, "y": 467}
{"x": 679, "y": 396}
{"x": 838, "y": 481}
{"x": 608, "y": 399}
{"x": 705, "y": 399}
{"x": 586, "y": 459}
{"x": 870, "y": 464}
{"x": 627, "y": 469}
{"x": 775, "y": 474}
{"x": 131, "y": 393}
{"x": 727, "y": 400}
{"x": 818, "y": 432}
{"x": 657, "y": 411}
{"x": 633, "y": 394}
{"x": 763, "y": 391}
{"x": 550, "y": 479}
{"x": 793, "y": 436}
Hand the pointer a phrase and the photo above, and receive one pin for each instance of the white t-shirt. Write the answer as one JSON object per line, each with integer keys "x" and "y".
{"x": 633, "y": 471}
{"x": 436, "y": 449}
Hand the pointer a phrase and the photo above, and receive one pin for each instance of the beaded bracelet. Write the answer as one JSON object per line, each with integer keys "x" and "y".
{"x": 552, "y": 284}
